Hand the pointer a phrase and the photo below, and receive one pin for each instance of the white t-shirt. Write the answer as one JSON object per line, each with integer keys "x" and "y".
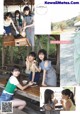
{"x": 13, "y": 80}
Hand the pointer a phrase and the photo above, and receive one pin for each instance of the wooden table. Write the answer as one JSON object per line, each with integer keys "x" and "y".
{"x": 31, "y": 92}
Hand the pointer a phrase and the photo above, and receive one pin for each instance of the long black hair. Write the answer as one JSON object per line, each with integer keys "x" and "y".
{"x": 48, "y": 96}
{"x": 44, "y": 53}
{"x": 70, "y": 94}
{"x": 27, "y": 8}
{"x": 17, "y": 12}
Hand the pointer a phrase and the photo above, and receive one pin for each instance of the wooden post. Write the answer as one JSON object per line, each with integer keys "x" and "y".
{"x": 3, "y": 56}
{"x": 11, "y": 54}
{"x": 58, "y": 59}
{"x": 48, "y": 44}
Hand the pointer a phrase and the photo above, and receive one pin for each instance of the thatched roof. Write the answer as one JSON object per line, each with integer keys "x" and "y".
{"x": 18, "y": 2}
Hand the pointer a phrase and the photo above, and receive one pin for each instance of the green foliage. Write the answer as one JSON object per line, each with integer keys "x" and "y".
{"x": 65, "y": 23}
{"x": 19, "y": 53}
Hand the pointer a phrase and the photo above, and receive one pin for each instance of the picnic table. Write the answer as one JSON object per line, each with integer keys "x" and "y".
{"x": 30, "y": 92}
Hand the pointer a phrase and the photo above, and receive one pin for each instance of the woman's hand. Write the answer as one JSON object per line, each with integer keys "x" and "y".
{"x": 30, "y": 83}
{"x": 47, "y": 107}
{"x": 55, "y": 101}
{"x": 27, "y": 60}
{"x": 17, "y": 32}
{"x": 34, "y": 61}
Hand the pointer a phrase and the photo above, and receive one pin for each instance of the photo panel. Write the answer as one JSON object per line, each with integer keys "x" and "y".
{"x": 56, "y": 99}
{"x": 18, "y": 23}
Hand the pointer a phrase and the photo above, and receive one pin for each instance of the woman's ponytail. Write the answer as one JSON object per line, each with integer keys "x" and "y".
{"x": 72, "y": 97}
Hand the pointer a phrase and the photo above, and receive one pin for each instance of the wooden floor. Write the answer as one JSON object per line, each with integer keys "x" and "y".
{"x": 31, "y": 92}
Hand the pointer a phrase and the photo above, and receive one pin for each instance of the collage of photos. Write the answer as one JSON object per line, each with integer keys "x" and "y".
{"x": 38, "y": 73}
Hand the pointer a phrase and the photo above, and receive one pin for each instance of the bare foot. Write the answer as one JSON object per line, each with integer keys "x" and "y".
{"x": 44, "y": 85}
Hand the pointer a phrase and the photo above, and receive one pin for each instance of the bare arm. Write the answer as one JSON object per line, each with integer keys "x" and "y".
{"x": 44, "y": 77}
{"x": 27, "y": 64}
{"x": 13, "y": 25}
{"x": 44, "y": 74}
{"x": 33, "y": 72}
{"x": 24, "y": 87}
{"x": 37, "y": 68}
{"x": 33, "y": 76}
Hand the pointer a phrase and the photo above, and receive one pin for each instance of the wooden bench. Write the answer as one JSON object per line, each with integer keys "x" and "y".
{"x": 30, "y": 92}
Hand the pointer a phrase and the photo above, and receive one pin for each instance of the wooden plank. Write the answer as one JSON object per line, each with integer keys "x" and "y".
{"x": 8, "y": 40}
{"x": 10, "y": 43}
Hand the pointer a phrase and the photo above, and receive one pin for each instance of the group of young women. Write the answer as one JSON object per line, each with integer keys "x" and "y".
{"x": 23, "y": 23}
{"x": 34, "y": 67}
{"x": 43, "y": 64}
{"x": 67, "y": 101}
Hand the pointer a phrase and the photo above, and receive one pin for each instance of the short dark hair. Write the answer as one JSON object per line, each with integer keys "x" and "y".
{"x": 15, "y": 68}
{"x": 26, "y": 8}
{"x": 33, "y": 54}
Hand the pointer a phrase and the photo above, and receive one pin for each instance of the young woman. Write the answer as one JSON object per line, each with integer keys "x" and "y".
{"x": 9, "y": 90}
{"x": 49, "y": 103}
{"x": 29, "y": 24}
{"x": 31, "y": 65}
{"x": 49, "y": 74}
{"x": 69, "y": 102}
{"x": 18, "y": 20}
{"x": 7, "y": 24}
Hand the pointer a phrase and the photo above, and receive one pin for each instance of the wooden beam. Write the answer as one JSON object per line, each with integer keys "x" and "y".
{"x": 3, "y": 56}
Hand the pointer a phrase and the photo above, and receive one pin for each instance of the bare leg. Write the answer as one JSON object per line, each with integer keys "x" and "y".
{"x": 19, "y": 103}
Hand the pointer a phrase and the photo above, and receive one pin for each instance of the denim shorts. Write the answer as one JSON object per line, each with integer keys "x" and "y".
{"x": 5, "y": 97}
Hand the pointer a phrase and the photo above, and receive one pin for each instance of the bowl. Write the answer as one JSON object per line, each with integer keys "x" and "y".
{"x": 24, "y": 82}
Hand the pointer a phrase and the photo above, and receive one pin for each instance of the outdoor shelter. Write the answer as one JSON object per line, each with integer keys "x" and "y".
{"x": 17, "y": 3}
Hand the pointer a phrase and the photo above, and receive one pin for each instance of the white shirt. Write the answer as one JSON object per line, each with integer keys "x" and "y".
{"x": 13, "y": 80}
